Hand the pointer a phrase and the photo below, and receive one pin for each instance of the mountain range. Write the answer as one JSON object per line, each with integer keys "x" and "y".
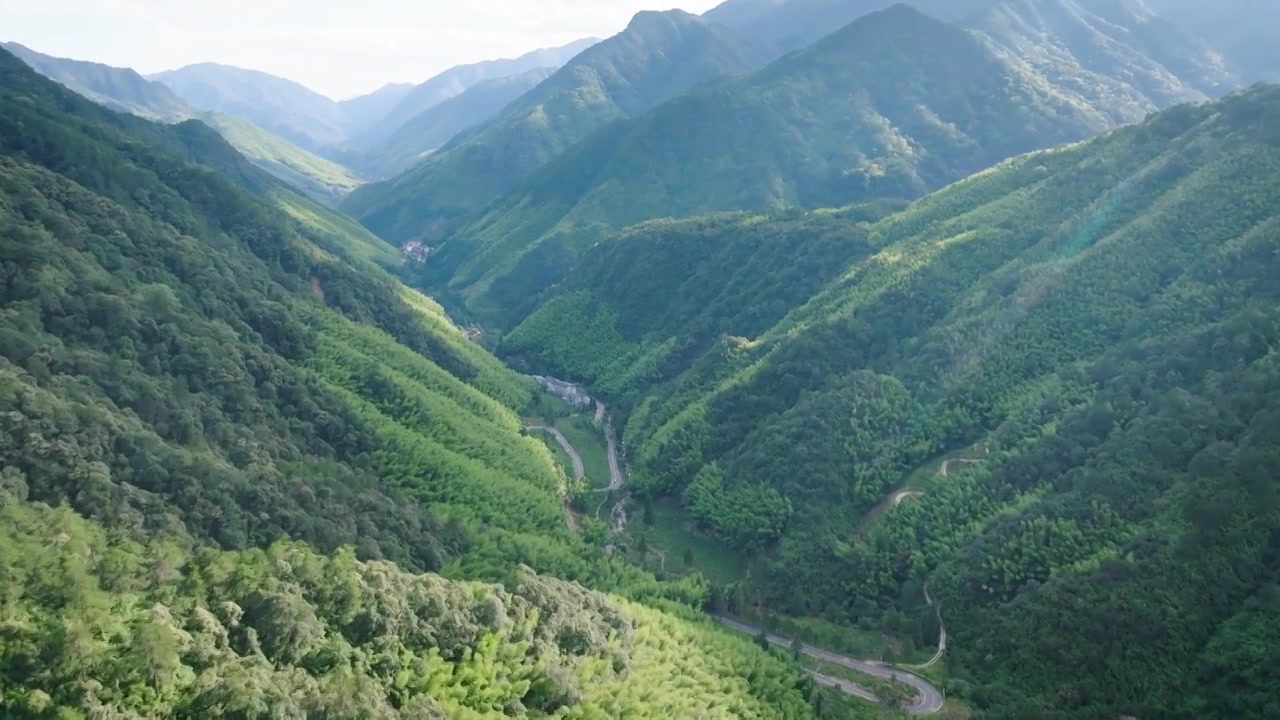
{"x": 457, "y": 80}
{"x": 893, "y": 105}
{"x": 935, "y": 344}
{"x": 187, "y": 368}
{"x": 660, "y": 55}
{"x": 1046, "y": 391}
{"x": 437, "y": 125}
{"x": 127, "y": 91}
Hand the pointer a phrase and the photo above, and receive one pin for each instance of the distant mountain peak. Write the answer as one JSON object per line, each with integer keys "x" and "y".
{"x": 643, "y": 17}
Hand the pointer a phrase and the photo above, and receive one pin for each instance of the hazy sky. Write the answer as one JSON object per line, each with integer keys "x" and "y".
{"x": 339, "y": 48}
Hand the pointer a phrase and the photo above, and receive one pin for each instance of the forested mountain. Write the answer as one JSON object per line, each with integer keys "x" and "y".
{"x": 1121, "y": 42}
{"x": 457, "y": 80}
{"x": 1243, "y": 30}
{"x": 125, "y": 90}
{"x": 195, "y": 364}
{"x": 280, "y": 106}
{"x": 893, "y": 105}
{"x": 434, "y": 127}
{"x": 1091, "y": 328}
{"x": 117, "y": 88}
{"x": 659, "y": 56}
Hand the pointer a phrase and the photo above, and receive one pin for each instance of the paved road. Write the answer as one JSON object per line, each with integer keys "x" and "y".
{"x": 942, "y": 633}
{"x": 578, "y": 468}
{"x": 929, "y": 699}
{"x": 617, "y": 480}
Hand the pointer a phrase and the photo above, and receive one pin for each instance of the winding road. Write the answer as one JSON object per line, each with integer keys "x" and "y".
{"x": 579, "y": 469}
{"x": 929, "y": 699}
{"x": 617, "y": 480}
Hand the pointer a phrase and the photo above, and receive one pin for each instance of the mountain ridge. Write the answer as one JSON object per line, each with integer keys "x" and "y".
{"x": 458, "y": 79}
{"x": 661, "y": 55}
{"x": 125, "y": 90}
{"x": 861, "y": 114}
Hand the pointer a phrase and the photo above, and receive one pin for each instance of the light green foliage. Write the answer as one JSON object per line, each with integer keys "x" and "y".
{"x": 97, "y": 626}
{"x": 319, "y": 178}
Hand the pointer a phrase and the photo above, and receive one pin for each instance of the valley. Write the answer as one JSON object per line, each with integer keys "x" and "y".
{"x": 776, "y": 360}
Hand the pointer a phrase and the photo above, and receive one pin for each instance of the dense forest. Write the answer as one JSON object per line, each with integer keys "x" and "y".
{"x": 231, "y": 442}
{"x": 1091, "y": 327}
{"x": 893, "y": 104}
{"x": 940, "y": 335}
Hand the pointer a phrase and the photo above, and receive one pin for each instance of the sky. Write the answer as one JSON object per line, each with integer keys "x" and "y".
{"x": 340, "y": 48}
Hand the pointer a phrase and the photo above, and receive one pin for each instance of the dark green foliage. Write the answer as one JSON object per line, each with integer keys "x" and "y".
{"x": 1100, "y": 320}
{"x": 117, "y": 88}
{"x": 212, "y": 379}
{"x": 659, "y": 56}
{"x": 892, "y": 106}
{"x": 644, "y": 304}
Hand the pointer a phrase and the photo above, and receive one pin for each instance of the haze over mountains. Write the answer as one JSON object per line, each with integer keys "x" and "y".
{"x": 940, "y": 335}
{"x": 893, "y": 105}
{"x": 659, "y": 56}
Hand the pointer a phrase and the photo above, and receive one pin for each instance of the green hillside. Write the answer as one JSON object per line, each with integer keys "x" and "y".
{"x": 194, "y": 368}
{"x": 157, "y": 630}
{"x": 322, "y": 179}
{"x": 117, "y": 88}
{"x": 894, "y": 105}
{"x": 1094, "y": 325}
{"x": 437, "y": 125}
{"x": 127, "y": 91}
{"x": 658, "y": 56}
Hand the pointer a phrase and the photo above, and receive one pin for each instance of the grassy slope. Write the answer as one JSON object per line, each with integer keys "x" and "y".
{"x": 322, "y": 179}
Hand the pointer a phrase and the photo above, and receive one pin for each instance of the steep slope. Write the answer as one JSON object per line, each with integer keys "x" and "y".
{"x": 198, "y": 381}
{"x": 320, "y": 178}
{"x": 280, "y": 106}
{"x": 125, "y": 90}
{"x": 658, "y": 56}
{"x": 1117, "y": 55}
{"x": 1100, "y": 320}
{"x": 117, "y": 88}
{"x": 436, "y": 126}
{"x": 894, "y": 105}
{"x": 457, "y": 80}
